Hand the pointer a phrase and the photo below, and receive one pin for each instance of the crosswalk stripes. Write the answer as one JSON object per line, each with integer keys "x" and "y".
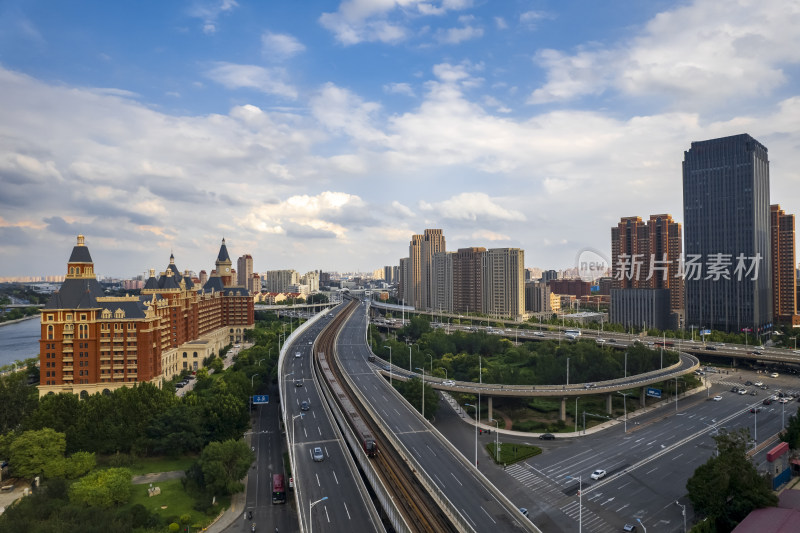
{"x": 551, "y": 492}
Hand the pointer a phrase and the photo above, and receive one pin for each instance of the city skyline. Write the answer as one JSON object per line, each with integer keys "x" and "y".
{"x": 321, "y": 136}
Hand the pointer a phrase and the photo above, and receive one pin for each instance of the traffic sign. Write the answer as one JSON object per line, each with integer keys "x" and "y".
{"x": 260, "y": 399}
{"x": 653, "y": 393}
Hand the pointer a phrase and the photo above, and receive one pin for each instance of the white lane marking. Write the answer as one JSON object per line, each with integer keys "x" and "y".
{"x": 336, "y": 479}
{"x": 653, "y": 470}
{"x": 441, "y": 483}
{"x": 621, "y": 508}
{"x": 454, "y": 477}
{"x": 326, "y": 514}
{"x": 468, "y": 517}
{"x": 346, "y": 510}
{"x": 318, "y": 484}
{"x": 487, "y": 514}
{"x": 431, "y": 449}
{"x": 676, "y": 456}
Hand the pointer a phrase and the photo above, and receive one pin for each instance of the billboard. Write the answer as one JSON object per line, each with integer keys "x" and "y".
{"x": 653, "y": 393}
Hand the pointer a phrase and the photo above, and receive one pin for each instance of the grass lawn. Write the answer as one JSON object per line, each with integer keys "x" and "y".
{"x": 174, "y": 498}
{"x": 146, "y": 465}
{"x": 511, "y": 452}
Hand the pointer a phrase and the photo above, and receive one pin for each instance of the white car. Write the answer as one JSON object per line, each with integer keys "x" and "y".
{"x": 758, "y": 383}
{"x": 449, "y": 383}
{"x": 598, "y": 474}
{"x": 717, "y": 398}
{"x": 742, "y": 392}
{"x": 774, "y": 375}
{"x": 298, "y": 354}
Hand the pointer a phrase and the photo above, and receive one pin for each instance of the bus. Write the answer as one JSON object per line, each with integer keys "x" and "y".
{"x": 278, "y": 489}
{"x": 572, "y": 333}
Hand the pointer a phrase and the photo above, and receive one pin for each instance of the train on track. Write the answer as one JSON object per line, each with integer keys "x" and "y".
{"x": 356, "y": 422}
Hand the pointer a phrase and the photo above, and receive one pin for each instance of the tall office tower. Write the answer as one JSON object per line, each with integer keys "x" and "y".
{"x": 504, "y": 282}
{"x": 414, "y": 276}
{"x": 468, "y": 280}
{"x": 279, "y": 280}
{"x": 726, "y": 223}
{"x": 244, "y": 270}
{"x": 442, "y": 276}
{"x": 402, "y": 280}
{"x": 784, "y": 279}
{"x": 547, "y": 275}
{"x": 432, "y": 243}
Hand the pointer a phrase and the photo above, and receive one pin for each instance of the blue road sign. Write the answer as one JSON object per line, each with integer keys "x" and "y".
{"x": 653, "y": 393}
{"x": 260, "y": 399}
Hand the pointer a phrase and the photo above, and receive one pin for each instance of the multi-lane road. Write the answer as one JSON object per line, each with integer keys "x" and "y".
{"x": 647, "y": 466}
{"x": 451, "y": 474}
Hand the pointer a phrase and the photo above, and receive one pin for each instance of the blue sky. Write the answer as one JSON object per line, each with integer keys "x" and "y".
{"x": 324, "y": 134}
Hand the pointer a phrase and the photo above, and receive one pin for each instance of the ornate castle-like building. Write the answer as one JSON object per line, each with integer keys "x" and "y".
{"x": 94, "y": 343}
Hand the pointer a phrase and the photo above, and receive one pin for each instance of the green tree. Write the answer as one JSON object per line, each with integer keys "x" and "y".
{"x": 411, "y": 390}
{"x": 103, "y": 488}
{"x": 38, "y": 453}
{"x": 223, "y": 464}
{"x": 727, "y": 487}
{"x": 79, "y": 464}
{"x": 176, "y": 431}
{"x": 18, "y": 399}
{"x": 792, "y": 433}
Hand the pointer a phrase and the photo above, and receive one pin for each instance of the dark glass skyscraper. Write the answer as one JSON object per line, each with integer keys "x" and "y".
{"x": 726, "y": 230}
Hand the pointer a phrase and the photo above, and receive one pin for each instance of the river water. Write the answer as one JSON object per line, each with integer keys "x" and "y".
{"x": 19, "y": 340}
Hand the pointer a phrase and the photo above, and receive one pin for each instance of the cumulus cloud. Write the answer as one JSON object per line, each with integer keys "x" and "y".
{"x": 682, "y": 58}
{"x": 280, "y": 46}
{"x": 266, "y": 80}
{"x": 399, "y": 88}
{"x": 472, "y": 206}
{"x": 383, "y": 21}
{"x": 209, "y": 11}
{"x": 458, "y": 35}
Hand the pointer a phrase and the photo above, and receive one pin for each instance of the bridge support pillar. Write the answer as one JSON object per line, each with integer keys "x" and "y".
{"x": 562, "y": 415}
{"x": 643, "y": 397}
{"x": 489, "y": 403}
{"x": 609, "y": 406}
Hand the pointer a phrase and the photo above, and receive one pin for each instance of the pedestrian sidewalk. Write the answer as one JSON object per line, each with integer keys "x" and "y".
{"x": 230, "y": 515}
{"x": 650, "y": 410}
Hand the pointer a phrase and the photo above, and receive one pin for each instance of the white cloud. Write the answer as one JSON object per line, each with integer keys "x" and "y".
{"x": 458, "y": 35}
{"x": 381, "y": 20}
{"x": 684, "y": 59}
{"x": 280, "y": 46}
{"x": 486, "y": 235}
{"x": 209, "y": 11}
{"x": 531, "y": 18}
{"x": 266, "y": 80}
{"x": 343, "y": 112}
{"x": 501, "y": 23}
{"x": 471, "y": 206}
{"x": 399, "y": 88}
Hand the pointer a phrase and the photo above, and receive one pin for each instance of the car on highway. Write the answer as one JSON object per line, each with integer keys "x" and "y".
{"x": 298, "y": 383}
{"x": 742, "y": 392}
{"x": 712, "y": 348}
{"x": 298, "y": 354}
{"x": 755, "y": 410}
{"x": 774, "y": 375}
{"x": 767, "y": 401}
{"x": 753, "y": 392}
{"x": 547, "y": 436}
{"x": 783, "y": 400}
{"x": 304, "y": 406}
{"x": 538, "y": 334}
{"x": 748, "y": 383}
{"x": 759, "y": 383}
{"x": 448, "y": 382}
{"x": 717, "y": 398}
{"x": 629, "y": 528}
{"x": 317, "y": 454}
{"x": 524, "y": 511}
{"x": 598, "y": 474}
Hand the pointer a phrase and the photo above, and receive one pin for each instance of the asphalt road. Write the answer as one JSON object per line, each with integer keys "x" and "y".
{"x": 346, "y": 506}
{"x": 647, "y": 466}
{"x": 448, "y": 472}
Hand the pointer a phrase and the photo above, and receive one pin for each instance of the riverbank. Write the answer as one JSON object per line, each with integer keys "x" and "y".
{"x": 19, "y": 320}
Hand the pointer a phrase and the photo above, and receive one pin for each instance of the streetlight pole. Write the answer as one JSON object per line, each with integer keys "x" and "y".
{"x": 251, "y": 380}
{"x": 683, "y": 511}
{"x": 259, "y": 361}
{"x": 580, "y": 502}
{"x": 640, "y": 523}
{"x": 390, "y": 365}
{"x": 423, "y": 391}
{"x": 445, "y": 372}
{"x": 576, "y": 412}
{"x": 567, "y": 371}
{"x": 626, "y": 364}
{"x": 409, "y": 358}
{"x": 496, "y": 441}
{"x": 311, "y": 506}
{"x": 625, "y": 407}
{"x": 431, "y": 357}
{"x": 476, "y": 431}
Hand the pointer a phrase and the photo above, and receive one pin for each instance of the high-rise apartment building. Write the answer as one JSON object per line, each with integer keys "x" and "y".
{"x": 442, "y": 286}
{"x": 504, "y": 282}
{"x": 433, "y": 242}
{"x": 727, "y": 229}
{"x": 647, "y": 255}
{"x": 403, "y": 284}
{"x": 414, "y": 274}
{"x": 468, "y": 280}
{"x": 244, "y": 271}
{"x": 784, "y": 279}
{"x": 279, "y": 280}
{"x": 312, "y": 280}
